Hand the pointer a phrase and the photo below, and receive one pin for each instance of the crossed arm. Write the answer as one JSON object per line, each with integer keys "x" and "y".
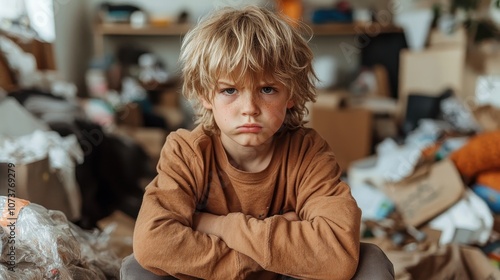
{"x": 169, "y": 239}
{"x": 314, "y": 248}
{"x": 210, "y": 223}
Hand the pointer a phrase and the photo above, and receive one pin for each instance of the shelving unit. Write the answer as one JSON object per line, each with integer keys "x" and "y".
{"x": 126, "y": 29}
{"x": 330, "y": 29}
{"x": 103, "y": 30}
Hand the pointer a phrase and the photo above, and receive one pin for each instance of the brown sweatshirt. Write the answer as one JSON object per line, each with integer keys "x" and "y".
{"x": 194, "y": 174}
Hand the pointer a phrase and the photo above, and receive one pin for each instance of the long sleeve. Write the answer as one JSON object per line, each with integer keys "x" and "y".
{"x": 164, "y": 241}
{"x": 324, "y": 244}
{"x": 302, "y": 176}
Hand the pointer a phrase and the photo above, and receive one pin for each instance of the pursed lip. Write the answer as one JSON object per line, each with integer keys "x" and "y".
{"x": 250, "y": 127}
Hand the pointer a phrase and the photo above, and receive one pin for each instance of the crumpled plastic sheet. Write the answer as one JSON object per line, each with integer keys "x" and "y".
{"x": 47, "y": 246}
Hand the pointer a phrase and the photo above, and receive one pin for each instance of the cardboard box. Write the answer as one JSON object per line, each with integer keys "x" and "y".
{"x": 457, "y": 38}
{"x": 484, "y": 57}
{"x": 348, "y": 131}
{"x": 427, "y": 193}
{"x": 37, "y": 183}
{"x": 430, "y": 72}
{"x": 434, "y": 69}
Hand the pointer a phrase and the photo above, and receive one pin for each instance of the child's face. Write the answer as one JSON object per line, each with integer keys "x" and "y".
{"x": 249, "y": 114}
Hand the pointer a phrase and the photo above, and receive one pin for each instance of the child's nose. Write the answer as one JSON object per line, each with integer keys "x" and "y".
{"x": 250, "y": 106}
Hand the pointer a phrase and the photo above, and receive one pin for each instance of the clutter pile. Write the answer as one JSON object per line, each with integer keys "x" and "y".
{"x": 430, "y": 199}
{"x": 67, "y": 154}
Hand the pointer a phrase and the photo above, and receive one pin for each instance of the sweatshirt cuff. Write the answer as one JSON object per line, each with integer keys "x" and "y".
{"x": 250, "y": 237}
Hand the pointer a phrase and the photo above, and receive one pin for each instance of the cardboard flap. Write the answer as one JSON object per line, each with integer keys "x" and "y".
{"x": 428, "y": 193}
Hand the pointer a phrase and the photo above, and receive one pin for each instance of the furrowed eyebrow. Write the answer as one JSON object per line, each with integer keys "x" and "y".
{"x": 261, "y": 83}
{"x": 223, "y": 81}
{"x": 268, "y": 84}
{"x": 225, "y": 84}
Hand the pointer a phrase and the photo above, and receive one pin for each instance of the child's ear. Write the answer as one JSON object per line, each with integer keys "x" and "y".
{"x": 206, "y": 104}
{"x": 290, "y": 104}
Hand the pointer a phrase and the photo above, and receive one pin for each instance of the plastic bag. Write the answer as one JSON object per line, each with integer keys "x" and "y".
{"x": 37, "y": 243}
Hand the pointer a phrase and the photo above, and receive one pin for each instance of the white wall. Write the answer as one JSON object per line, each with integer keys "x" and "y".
{"x": 72, "y": 46}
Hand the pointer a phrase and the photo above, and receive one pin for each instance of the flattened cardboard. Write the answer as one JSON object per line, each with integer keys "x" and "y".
{"x": 427, "y": 193}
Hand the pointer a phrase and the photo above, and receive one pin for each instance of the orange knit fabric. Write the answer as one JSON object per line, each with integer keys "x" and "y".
{"x": 480, "y": 154}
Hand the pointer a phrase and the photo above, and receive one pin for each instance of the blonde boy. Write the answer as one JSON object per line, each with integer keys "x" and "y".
{"x": 249, "y": 193}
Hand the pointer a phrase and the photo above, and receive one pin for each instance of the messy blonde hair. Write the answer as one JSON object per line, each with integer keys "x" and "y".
{"x": 246, "y": 43}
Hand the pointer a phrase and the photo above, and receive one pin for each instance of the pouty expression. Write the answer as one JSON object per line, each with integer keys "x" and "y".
{"x": 249, "y": 114}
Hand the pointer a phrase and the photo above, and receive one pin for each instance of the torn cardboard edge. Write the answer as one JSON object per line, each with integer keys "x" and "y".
{"x": 428, "y": 192}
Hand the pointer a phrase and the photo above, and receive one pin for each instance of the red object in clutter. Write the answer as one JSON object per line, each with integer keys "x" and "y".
{"x": 343, "y": 6}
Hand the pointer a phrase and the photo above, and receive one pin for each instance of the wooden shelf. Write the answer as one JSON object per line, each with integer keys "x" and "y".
{"x": 109, "y": 29}
{"x": 329, "y": 29}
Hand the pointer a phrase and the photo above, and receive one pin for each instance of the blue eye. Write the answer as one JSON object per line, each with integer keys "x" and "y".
{"x": 268, "y": 90}
{"x": 229, "y": 91}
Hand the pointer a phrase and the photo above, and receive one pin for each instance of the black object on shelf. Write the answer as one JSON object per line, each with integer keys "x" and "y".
{"x": 117, "y": 12}
{"x": 423, "y": 107}
{"x": 384, "y": 49}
